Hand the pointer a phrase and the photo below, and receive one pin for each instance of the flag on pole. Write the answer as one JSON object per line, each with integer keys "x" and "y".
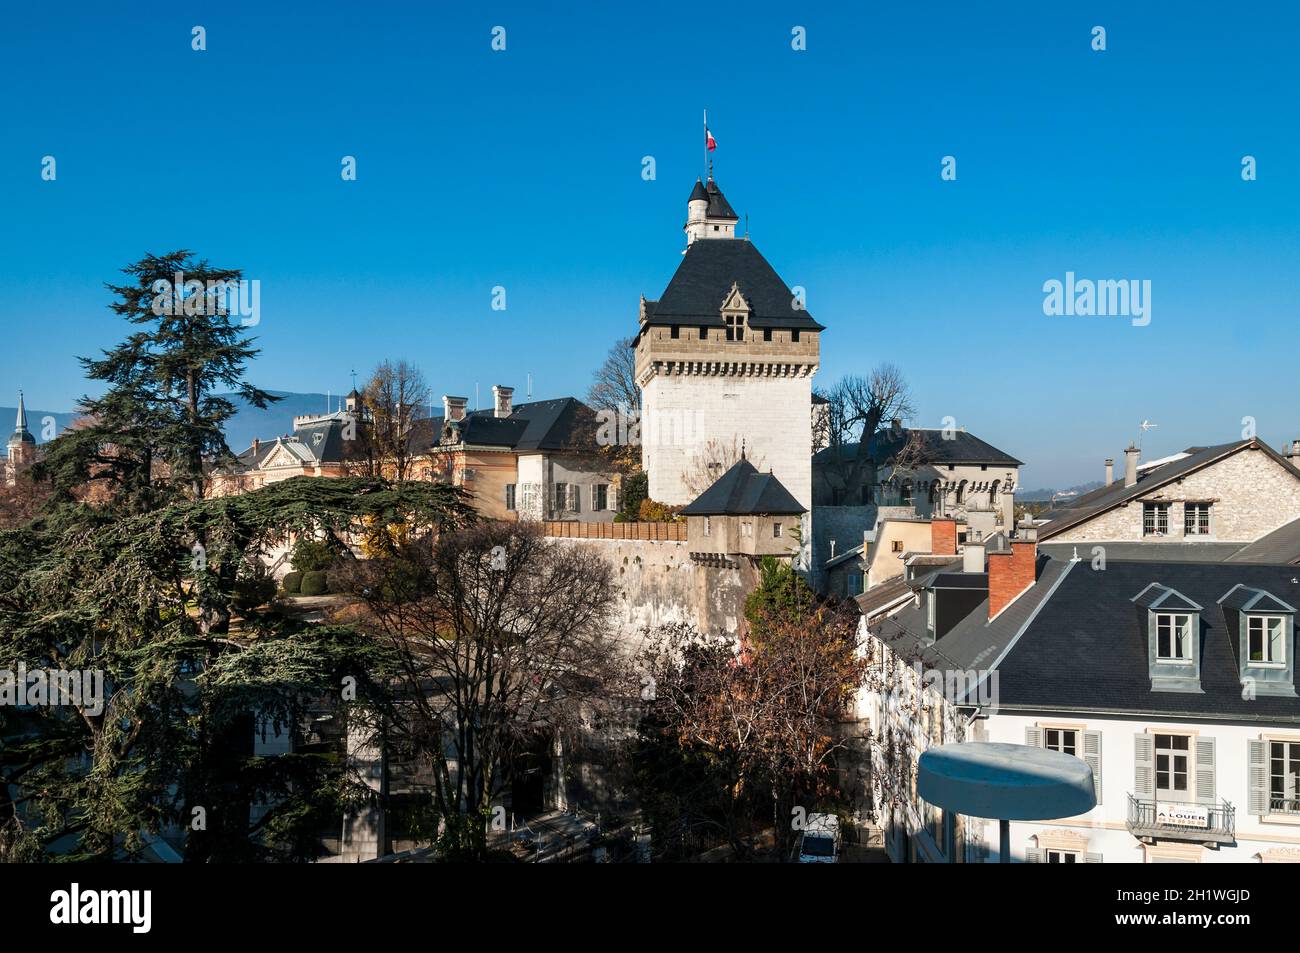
{"x": 709, "y": 142}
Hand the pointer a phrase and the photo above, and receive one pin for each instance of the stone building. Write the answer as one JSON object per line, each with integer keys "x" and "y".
{"x": 22, "y": 445}
{"x": 725, "y": 356}
{"x": 1204, "y": 504}
{"x": 745, "y": 514}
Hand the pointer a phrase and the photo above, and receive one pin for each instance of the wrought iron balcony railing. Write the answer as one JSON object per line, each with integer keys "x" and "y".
{"x": 1156, "y": 819}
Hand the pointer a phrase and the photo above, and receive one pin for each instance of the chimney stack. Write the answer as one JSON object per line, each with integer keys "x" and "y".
{"x": 1110, "y": 471}
{"x": 453, "y": 408}
{"x": 1131, "y": 465}
{"x": 502, "y": 400}
{"x": 257, "y": 445}
{"x": 1011, "y": 573}
{"x": 943, "y": 537}
{"x": 1293, "y": 455}
{"x": 972, "y": 557}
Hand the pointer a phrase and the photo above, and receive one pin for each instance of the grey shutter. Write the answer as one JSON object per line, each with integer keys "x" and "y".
{"x": 575, "y": 498}
{"x": 1092, "y": 755}
{"x": 1092, "y": 858}
{"x": 1205, "y": 793}
{"x": 1034, "y": 737}
{"x": 1257, "y": 777}
{"x": 1144, "y": 765}
{"x": 1033, "y": 855}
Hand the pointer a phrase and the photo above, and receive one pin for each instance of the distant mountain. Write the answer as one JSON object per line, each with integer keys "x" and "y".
{"x": 1037, "y": 496}
{"x": 248, "y": 422}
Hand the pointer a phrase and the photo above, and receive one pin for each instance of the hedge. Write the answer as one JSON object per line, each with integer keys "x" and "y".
{"x": 292, "y": 582}
{"x": 315, "y": 583}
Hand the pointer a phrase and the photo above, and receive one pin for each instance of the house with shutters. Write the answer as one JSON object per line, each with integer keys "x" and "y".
{"x": 1174, "y": 681}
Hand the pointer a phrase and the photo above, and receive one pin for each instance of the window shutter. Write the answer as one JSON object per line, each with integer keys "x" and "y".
{"x": 1033, "y": 855}
{"x": 1144, "y": 765}
{"x": 1033, "y": 737}
{"x": 1092, "y": 858}
{"x": 611, "y": 497}
{"x": 1092, "y": 755}
{"x": 1257, "y": 777}
{"x": 1205, "y": 771}
{"x": 575, "y": 497}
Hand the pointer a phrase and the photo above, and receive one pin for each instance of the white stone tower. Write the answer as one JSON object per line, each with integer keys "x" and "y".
{"x": 22, "y": 445}
{"x": 725, "y": 356}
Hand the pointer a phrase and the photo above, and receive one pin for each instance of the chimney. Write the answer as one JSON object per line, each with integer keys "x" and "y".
{"x": 502, "y": 398}
{"x": 1131, "y": 465}
{"x": 453, "y": 408}
{"x": 1110, "y": 471}
{"x": 257, "y": 445}
{"x": 972, "y": 557}
{"x": 1011, "y": 573}
{"x": 1293, "y": 455}
{"x": 943, "y": 537}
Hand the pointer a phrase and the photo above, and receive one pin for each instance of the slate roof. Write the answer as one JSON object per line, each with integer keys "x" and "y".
{"x": 963, "y": 449}
{"x": 1086, "y": 650}
{"x": 719, "y": 207}
{"x": 878, "y": 597}
{"x": 1280, "y": 546}
{"x": 703, "y": 281}
{"x": 1107, "y": 497}
{"x": 1163, "y": 551}
{"x": 743, "y": 491}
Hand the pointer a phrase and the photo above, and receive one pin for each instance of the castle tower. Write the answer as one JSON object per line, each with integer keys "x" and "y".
{"x": 22, "y": 445}
{"x": 725, "y": 356}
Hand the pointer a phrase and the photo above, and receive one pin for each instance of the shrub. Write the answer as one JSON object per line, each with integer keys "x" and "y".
{"x": 315, "y": 583}
{"x": 253, "y": 591}
{"x": 652, "y": 512}
{"x": 634, "y": 488}
{"x": 292, "y": 582}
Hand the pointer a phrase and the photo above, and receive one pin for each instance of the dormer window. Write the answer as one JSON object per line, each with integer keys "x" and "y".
{"x": 735, "y": 327}
{"x": 1172, "y": 624}
{"x": 1260, "y": 630}
{"x": 1173, "y": 637}
{"x": 1265, "y": 636}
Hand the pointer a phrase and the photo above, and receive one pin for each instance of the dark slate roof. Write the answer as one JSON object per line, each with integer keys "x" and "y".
{"x": 877, "y": 597}
{"x": 1086, "y": 650}
{"x": 743, "y": 491}
{"x": 565, "y": 423}
{"x": 1108, "y": 497}
{"x": 703, "y": 281}
{"x": 974, "y": 642}
{"x": 698, "y": 192}
{"x": 963, "y": 449}
{"x": 1280, "y": 546}
{"x": 1167, "y": 550}
{"x": 719, "y": 207}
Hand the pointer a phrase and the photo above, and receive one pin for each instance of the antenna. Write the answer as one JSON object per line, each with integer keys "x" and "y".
{"x": 530, "y": 386}
{"x": 354, "y": 379}
{"x": 476, "y": 395}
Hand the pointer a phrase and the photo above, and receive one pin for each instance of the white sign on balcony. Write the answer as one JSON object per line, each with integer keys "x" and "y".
{"x": 1183, "y": 815}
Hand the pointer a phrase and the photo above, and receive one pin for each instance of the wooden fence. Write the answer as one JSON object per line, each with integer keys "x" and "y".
{"x": 675, "y": 532}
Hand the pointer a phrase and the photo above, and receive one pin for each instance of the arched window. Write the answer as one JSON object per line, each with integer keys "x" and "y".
{"x": 961, "y": 492}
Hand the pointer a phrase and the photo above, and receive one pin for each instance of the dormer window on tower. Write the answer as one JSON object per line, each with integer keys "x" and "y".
{"x": 735, "y": 313}
{"x": 735, "y": 326}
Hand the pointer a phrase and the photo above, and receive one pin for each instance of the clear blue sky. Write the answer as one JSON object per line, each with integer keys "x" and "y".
{"x": 522, "y": 169}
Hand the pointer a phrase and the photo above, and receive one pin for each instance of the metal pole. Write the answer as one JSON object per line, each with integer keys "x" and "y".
{"x": 1004, "y": 842}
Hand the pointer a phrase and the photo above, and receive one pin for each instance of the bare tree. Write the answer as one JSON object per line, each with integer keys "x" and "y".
{"x": 392, "y": 406}
{"x": 714, "y": 459}
{"x": 614, "y": 384}
{"x": 857, "y": 409}
{"x": 505, "y": 644}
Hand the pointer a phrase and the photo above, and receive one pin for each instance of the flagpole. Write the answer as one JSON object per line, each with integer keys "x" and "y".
{"x": 706, "y": 141}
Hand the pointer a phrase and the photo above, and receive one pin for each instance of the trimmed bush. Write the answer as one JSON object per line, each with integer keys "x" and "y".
{"x": 292, "y": 582}
{"x": 312, "y": 554}
{"x": 315, "y": 583}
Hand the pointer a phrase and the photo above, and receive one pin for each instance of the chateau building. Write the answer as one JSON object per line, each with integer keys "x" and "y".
{"x": 725, "y": 356}
{"x": 22, "y": 445}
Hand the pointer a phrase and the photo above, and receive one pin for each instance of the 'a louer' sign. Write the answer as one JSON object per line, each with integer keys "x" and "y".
{"x": 1182, "y": 815}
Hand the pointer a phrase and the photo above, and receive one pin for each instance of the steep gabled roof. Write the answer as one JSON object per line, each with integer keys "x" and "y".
{"x": 961, "y": 449}
{"x": 1280, "y": 546}
{"x": 704, "y": 279}
{"x": 1109, "y": 497}
{"x": 564, "y": 423}
{"x": 743, "y": 491}
{"x": 719, "y": 207}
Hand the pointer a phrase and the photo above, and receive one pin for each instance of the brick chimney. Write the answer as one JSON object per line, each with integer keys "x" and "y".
{"x": 1110, "y": 471}
{"x": 257, "y": 445}
{"x": 1131, "y": 465}
{"x": 502, "y": 400}
{"x": 943, "y": 537}
{"x": 453, "y": 408}
{"x": 1011, "y": 573}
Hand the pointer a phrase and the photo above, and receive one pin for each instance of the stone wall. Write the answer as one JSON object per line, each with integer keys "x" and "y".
{"x": 1252, "y": 494}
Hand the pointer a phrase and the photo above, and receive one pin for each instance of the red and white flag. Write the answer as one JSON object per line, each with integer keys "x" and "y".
{"x": 709, "y": 142}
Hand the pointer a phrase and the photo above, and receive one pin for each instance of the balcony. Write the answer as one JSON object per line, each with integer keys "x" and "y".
{"x": 1152, "y": 820}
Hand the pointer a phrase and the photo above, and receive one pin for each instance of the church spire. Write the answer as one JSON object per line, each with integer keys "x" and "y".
{"x": 20, "y": 425}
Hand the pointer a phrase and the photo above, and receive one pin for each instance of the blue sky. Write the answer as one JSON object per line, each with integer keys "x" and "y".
{"x": 522, "y": 169}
